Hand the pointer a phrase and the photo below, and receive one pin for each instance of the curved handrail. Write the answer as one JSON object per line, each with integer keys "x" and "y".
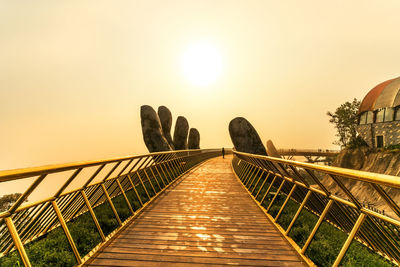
{"x": 315, "y": 188}
{"x": 382, "y": 179}
{"x": 142, "y": 177}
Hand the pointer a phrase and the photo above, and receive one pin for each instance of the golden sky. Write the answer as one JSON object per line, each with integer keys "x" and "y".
{"x": 74, "y": 74}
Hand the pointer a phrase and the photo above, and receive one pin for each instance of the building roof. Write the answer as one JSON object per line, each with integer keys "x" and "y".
{"x": 386, "y": 94}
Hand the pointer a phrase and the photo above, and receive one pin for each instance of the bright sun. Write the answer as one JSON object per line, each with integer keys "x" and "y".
{"x": 201, "y": 64}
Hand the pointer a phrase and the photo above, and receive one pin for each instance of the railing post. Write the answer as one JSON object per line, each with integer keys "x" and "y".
{"x": 134, "y": 189}
{"x": 315, "y": 229}
{"x": 352, "y": 234}
{"x": 276, "y": 195}
{"x": 165, "y": 176}
{"x": 66, "y": 232}
{"x": 148, "y": 178}
{"x": 262, "y": 185}
{"x": 159, "y": 175}
{"x": 125, "y": 197}
{"x": 17, "y": 241}
{"x": 259, "y": 178}
{"x": 111, "y": 204}
{"x": 155, "y": 178}
{"x": 255, "y": 176}
{"x": 144, "y": 187}
{"x": 266, "y": 192}
{"x": 171, "y": 178}
{"x": 94, "y": 218}
{"x": 298, "y": 212}
{"x": 284, "y": 203}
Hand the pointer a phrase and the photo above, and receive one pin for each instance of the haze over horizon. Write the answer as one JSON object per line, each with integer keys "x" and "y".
{"x": 74, "y": 74}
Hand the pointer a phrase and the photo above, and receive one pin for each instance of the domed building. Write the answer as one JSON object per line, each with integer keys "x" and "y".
{"x": 379, "y": 115}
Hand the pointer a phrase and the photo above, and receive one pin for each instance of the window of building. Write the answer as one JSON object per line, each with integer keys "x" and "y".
{"x": 370, "y": 117}
{"x": 397, "y": 114}
{"x": 363, "y": 118}
{"x": 380, "y": 115}
{"x": 379, "y": 141}
{"x": 389, "y": 113}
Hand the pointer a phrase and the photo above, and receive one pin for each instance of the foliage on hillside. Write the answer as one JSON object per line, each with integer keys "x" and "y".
{"x": 345, "y": 120}
{"x": 6, "y": 201}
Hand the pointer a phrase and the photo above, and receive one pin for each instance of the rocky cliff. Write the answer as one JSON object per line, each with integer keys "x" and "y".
{"x": 365, "y": 159}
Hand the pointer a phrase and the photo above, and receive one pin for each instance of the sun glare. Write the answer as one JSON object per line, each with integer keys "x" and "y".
{"x": 201, "y": 64}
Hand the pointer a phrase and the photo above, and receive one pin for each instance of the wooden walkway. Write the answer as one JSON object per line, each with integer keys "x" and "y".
{"x": 206, "y": 218}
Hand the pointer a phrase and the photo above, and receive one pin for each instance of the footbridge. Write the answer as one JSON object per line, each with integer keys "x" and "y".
{"x": 196, "y": 208}
{"x": 311, "y": 155}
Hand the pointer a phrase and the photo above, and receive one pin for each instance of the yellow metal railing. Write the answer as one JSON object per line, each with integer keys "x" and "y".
{"x": 326, "y": 192}
{"x": 102, "y": 181}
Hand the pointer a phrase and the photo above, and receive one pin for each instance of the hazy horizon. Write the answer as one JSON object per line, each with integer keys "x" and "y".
{"x": 74, "y": 74}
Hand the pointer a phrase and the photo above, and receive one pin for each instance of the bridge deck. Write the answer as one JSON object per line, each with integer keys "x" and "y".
{"x": 206, "y": 218}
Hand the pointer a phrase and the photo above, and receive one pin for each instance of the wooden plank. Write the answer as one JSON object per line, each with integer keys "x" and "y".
{"x": 207, "y": 219}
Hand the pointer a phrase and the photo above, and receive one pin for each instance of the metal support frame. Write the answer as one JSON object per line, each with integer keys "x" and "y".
{"x": 379, "y": 232}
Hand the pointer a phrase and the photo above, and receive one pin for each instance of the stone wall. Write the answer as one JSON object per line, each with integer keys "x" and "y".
{"x": 389, "y": 130}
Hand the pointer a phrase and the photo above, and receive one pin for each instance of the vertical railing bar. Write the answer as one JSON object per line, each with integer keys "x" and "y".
{"x": 66, "y": 232}
{"x": 245, "y": 168}
{"x": 144, "y": 187}
{"x": 111, "y": 204}
{"x": 155, "y": 178}
{"x": 62, "y": 203}
{"x": 316, "y": 226}
{"x": 151, "y": 184}
{"x": 33, "y": 224}
{"x": 349, "y": 239}
{"x": 276, "y": 194}
{"x": 17, "y": 241}
{"x": 166, "y": 174}
{"x": 156, "y": 167}
{"x": 93, "y": 215}
{"x": 262, "y": 185}
{"x": 173, "y": 167}
{"x": 284, "y": 203}
{"x": 269, "y": 188}
{"x": 125, "y": 197}
{"x": 303, "y": 203}
{"x": 252, "y": 177}
{"x": 251, "y": 172}
{"x": 259, "y": 178}
{"x": 172, "y": 170}
{"x": 159, "y": 175}
{"x": 134, "y": 189}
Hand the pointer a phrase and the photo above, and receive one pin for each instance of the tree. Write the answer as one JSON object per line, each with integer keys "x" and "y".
{"x": 6, "y": 201}
{"x": 345, "y": 120}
